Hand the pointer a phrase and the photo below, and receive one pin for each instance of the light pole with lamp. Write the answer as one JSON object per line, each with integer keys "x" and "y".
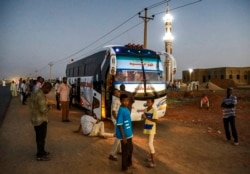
{"x": 50, "y": 73}
{"x": 168, "y": 38}
{"x": 190, "y": 75}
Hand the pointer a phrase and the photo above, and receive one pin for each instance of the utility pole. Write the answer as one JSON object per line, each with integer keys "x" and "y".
{"x": 146, "y": 20}
{"x": 36, "y": 73}
{"x": 50, "y": 73}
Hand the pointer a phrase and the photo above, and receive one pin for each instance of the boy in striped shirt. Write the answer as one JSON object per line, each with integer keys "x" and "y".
{"x": 229, "y": 106}
{"x": 150, "y": 117}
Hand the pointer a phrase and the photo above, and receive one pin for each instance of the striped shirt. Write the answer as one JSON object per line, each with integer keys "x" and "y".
{"x": 229, "y": 111}
{"x": 150, "y": 126}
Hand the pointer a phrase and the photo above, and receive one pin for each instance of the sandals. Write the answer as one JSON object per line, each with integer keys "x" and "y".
{"x": 113, "y": 158}
{"x": 43, "y": 158}
{"x": 151, "y": 165}
{"x": 148, "y": 160}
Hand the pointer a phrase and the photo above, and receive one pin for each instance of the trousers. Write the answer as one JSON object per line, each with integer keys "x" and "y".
{"x": 41, "y": 132}
{"x": 230, "y": 121}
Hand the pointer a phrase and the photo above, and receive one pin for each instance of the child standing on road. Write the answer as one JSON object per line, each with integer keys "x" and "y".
{"x": 150, "y": 116}
{"x": 124, "y": 132}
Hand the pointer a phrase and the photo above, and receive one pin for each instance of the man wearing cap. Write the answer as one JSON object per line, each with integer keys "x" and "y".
{"x": 229, "y": 107}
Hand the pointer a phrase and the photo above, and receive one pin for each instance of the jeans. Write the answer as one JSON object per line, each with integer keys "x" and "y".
{"x": 230, "y": 121}
{"x": 127, "y": 151}
{"x": 41, "y": 132}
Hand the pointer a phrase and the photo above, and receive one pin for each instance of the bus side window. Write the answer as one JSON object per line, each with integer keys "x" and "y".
{"x": 96, "y": 103}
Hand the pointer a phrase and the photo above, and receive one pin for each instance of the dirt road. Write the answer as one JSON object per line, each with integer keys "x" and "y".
{"x": 182, "y": 146}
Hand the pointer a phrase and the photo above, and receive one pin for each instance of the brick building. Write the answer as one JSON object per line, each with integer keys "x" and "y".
{"x": 240, "y": 75}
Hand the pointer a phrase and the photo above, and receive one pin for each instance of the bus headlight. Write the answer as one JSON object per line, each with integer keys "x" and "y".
{"x": 162, "y": 105}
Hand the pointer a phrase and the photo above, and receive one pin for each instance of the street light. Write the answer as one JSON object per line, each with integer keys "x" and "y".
{"x": 168, "y": 37}
{"x": 50, "y": 73}
{"x": 190, "y": 74}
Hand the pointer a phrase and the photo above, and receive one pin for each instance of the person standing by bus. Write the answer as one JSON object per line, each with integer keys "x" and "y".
{"x": 39, "y": 119}
{"x": 116, "y": 147}
{"x": 57, "y": 95}
{"x": 150, "y": 117}
{"x": 63, "y": 91}
{"x": 130, "y": 96}
{"x": 124, "y": 132}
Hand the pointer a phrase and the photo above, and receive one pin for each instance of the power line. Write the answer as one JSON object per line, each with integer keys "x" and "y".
{"x": 179, "y": 7}
{"x": 111, "y": 39}
{"x": 97, "y": 40}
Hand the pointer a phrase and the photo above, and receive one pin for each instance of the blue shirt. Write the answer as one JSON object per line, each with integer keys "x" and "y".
{"x": 123, "y": 119}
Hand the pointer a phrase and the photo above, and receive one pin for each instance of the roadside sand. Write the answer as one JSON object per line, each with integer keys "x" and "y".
{"x": 182, "y": 145}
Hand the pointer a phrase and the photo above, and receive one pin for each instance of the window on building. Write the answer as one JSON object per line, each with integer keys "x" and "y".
{"x": 238, "y": 77}
{"x": 245, "y": 77}
{"x": 222, "y": 77}
{"x": 204, "y": 78}
{"x": 209, "y": 77}
{"x": 231, "y": 76}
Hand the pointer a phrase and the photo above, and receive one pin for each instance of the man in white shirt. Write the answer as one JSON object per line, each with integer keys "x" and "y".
{"x": 90, "y": 126}
{"x": 57, "y": 95}
{"x": 116, "y": 147}
{"x": 39, "y": 83}
{"x": 63, "y": 93}
{"x": 24, "y": 91}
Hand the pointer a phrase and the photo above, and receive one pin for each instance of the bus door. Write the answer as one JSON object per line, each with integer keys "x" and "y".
{"x": 108, "y": 94}
{"x": 78, "y": 91}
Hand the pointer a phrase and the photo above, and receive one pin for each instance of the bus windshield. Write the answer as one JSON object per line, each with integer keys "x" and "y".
{"x": 136, "y": 76}
{"x": 130, "y": 69}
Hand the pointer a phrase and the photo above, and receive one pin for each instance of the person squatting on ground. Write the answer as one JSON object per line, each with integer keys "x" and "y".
{"x": 39, "y": 119}
{"x": 116, "y": 147}
{"x": 92, "y": 127}
{"x": 204, "y": 101}
{"x": 229, "y": 106}
{"x": 124, "y": 132}
{"x": 63, "y": 91}
{"x": 150, "y": 117}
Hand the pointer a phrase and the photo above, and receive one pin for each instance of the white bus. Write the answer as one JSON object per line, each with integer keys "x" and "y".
{"x": 96, "y": 76}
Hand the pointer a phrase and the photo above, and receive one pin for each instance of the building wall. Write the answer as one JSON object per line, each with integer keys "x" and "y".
{"x": 240, "y": 75}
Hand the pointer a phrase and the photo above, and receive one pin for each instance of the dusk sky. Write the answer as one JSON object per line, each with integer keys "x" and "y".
{"x": 33, "y": 33}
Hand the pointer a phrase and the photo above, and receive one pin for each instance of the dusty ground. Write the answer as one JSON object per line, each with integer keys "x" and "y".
{"x": 183, "y": 144}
